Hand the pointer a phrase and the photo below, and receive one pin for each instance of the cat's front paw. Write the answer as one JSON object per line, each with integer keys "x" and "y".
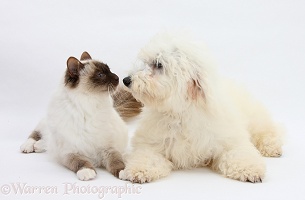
{"x": 32, "y": 145}
{"x": 141, "y": 176}
{"x": 39, "y": 146}
{"x": 28, "y": 146}
{"x": 117, "y": 168}
{"x": 86, "y": 174}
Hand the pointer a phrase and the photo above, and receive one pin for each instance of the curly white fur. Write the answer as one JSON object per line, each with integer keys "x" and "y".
{"x": 194, "y": 117}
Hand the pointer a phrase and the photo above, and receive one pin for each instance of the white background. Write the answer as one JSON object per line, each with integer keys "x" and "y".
{"x": 260, "y": 44}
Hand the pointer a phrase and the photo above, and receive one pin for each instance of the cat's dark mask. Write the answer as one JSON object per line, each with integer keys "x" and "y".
{"x": 97, "y": 74}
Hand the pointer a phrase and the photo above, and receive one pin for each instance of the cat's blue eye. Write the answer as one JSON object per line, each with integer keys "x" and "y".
{"x": 101, "y": 75}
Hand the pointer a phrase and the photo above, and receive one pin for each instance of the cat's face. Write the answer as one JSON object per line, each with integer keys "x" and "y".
{"x": 89, "y": 75}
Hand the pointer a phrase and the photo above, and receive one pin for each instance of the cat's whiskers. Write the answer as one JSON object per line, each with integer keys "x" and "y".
{"x": 111, "y": 89}
{"x": 119, "y": 97}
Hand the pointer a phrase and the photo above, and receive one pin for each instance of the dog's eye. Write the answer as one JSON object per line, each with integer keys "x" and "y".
{"x": 156, "y": 65}
{"x": 159, "y": 66}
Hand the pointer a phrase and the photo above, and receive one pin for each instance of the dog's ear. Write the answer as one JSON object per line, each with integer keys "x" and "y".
{"x": 195, "y": 90}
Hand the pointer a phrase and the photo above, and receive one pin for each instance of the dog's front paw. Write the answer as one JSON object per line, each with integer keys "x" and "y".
{"x": 270, "y": 147}
{"x": 86, "y": 174}
{"x": 253, "y": 174}
{"x": 141, "y": 176}
{"x": 243, "y": 164}
{"x": 244, "y": 171}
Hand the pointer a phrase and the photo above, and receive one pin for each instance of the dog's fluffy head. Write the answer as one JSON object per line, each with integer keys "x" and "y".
{"x": 171, "y": 73}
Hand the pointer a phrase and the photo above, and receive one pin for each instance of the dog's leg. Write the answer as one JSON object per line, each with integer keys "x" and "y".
{"x": 264, "y": 133}
{"x": 80, "y": 165}
{"x": 36, "y": 141}
{"x": 145, "y": 166}
{"x": 267, "y": 137}
{"x": 242, "y": 163}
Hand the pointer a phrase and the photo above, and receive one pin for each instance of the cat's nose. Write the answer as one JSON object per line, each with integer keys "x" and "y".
{"x": 115, "y": 80}
{"x": 115, "y": 77}
{"x": 127, "y": 81}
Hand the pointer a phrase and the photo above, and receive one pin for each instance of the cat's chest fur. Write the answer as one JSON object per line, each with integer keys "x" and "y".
{"x": 89, "y": 113}
{"x": 85, "y": 123}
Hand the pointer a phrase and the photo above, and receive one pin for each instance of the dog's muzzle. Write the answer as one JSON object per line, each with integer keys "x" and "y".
{"x": 127, "y": 81}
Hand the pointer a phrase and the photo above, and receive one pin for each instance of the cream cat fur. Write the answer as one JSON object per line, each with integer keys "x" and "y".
{"x": 82, "y": 128}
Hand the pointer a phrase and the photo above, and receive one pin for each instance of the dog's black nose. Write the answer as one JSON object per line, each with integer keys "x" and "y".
{"x": 127, "y": 81}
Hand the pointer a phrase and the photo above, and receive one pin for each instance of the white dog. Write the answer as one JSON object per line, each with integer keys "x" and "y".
{"x": 194, "y": 117}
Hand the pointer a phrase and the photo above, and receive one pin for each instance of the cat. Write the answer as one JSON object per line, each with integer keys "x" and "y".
{"x": 82, "y": 129}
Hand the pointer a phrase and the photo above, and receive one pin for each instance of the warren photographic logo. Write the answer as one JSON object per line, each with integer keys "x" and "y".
{"x": 70, "y": 189}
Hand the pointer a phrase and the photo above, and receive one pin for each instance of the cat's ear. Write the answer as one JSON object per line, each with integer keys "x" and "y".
{"x": 74, "y": 66}
{"x": 85, "y": 56}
